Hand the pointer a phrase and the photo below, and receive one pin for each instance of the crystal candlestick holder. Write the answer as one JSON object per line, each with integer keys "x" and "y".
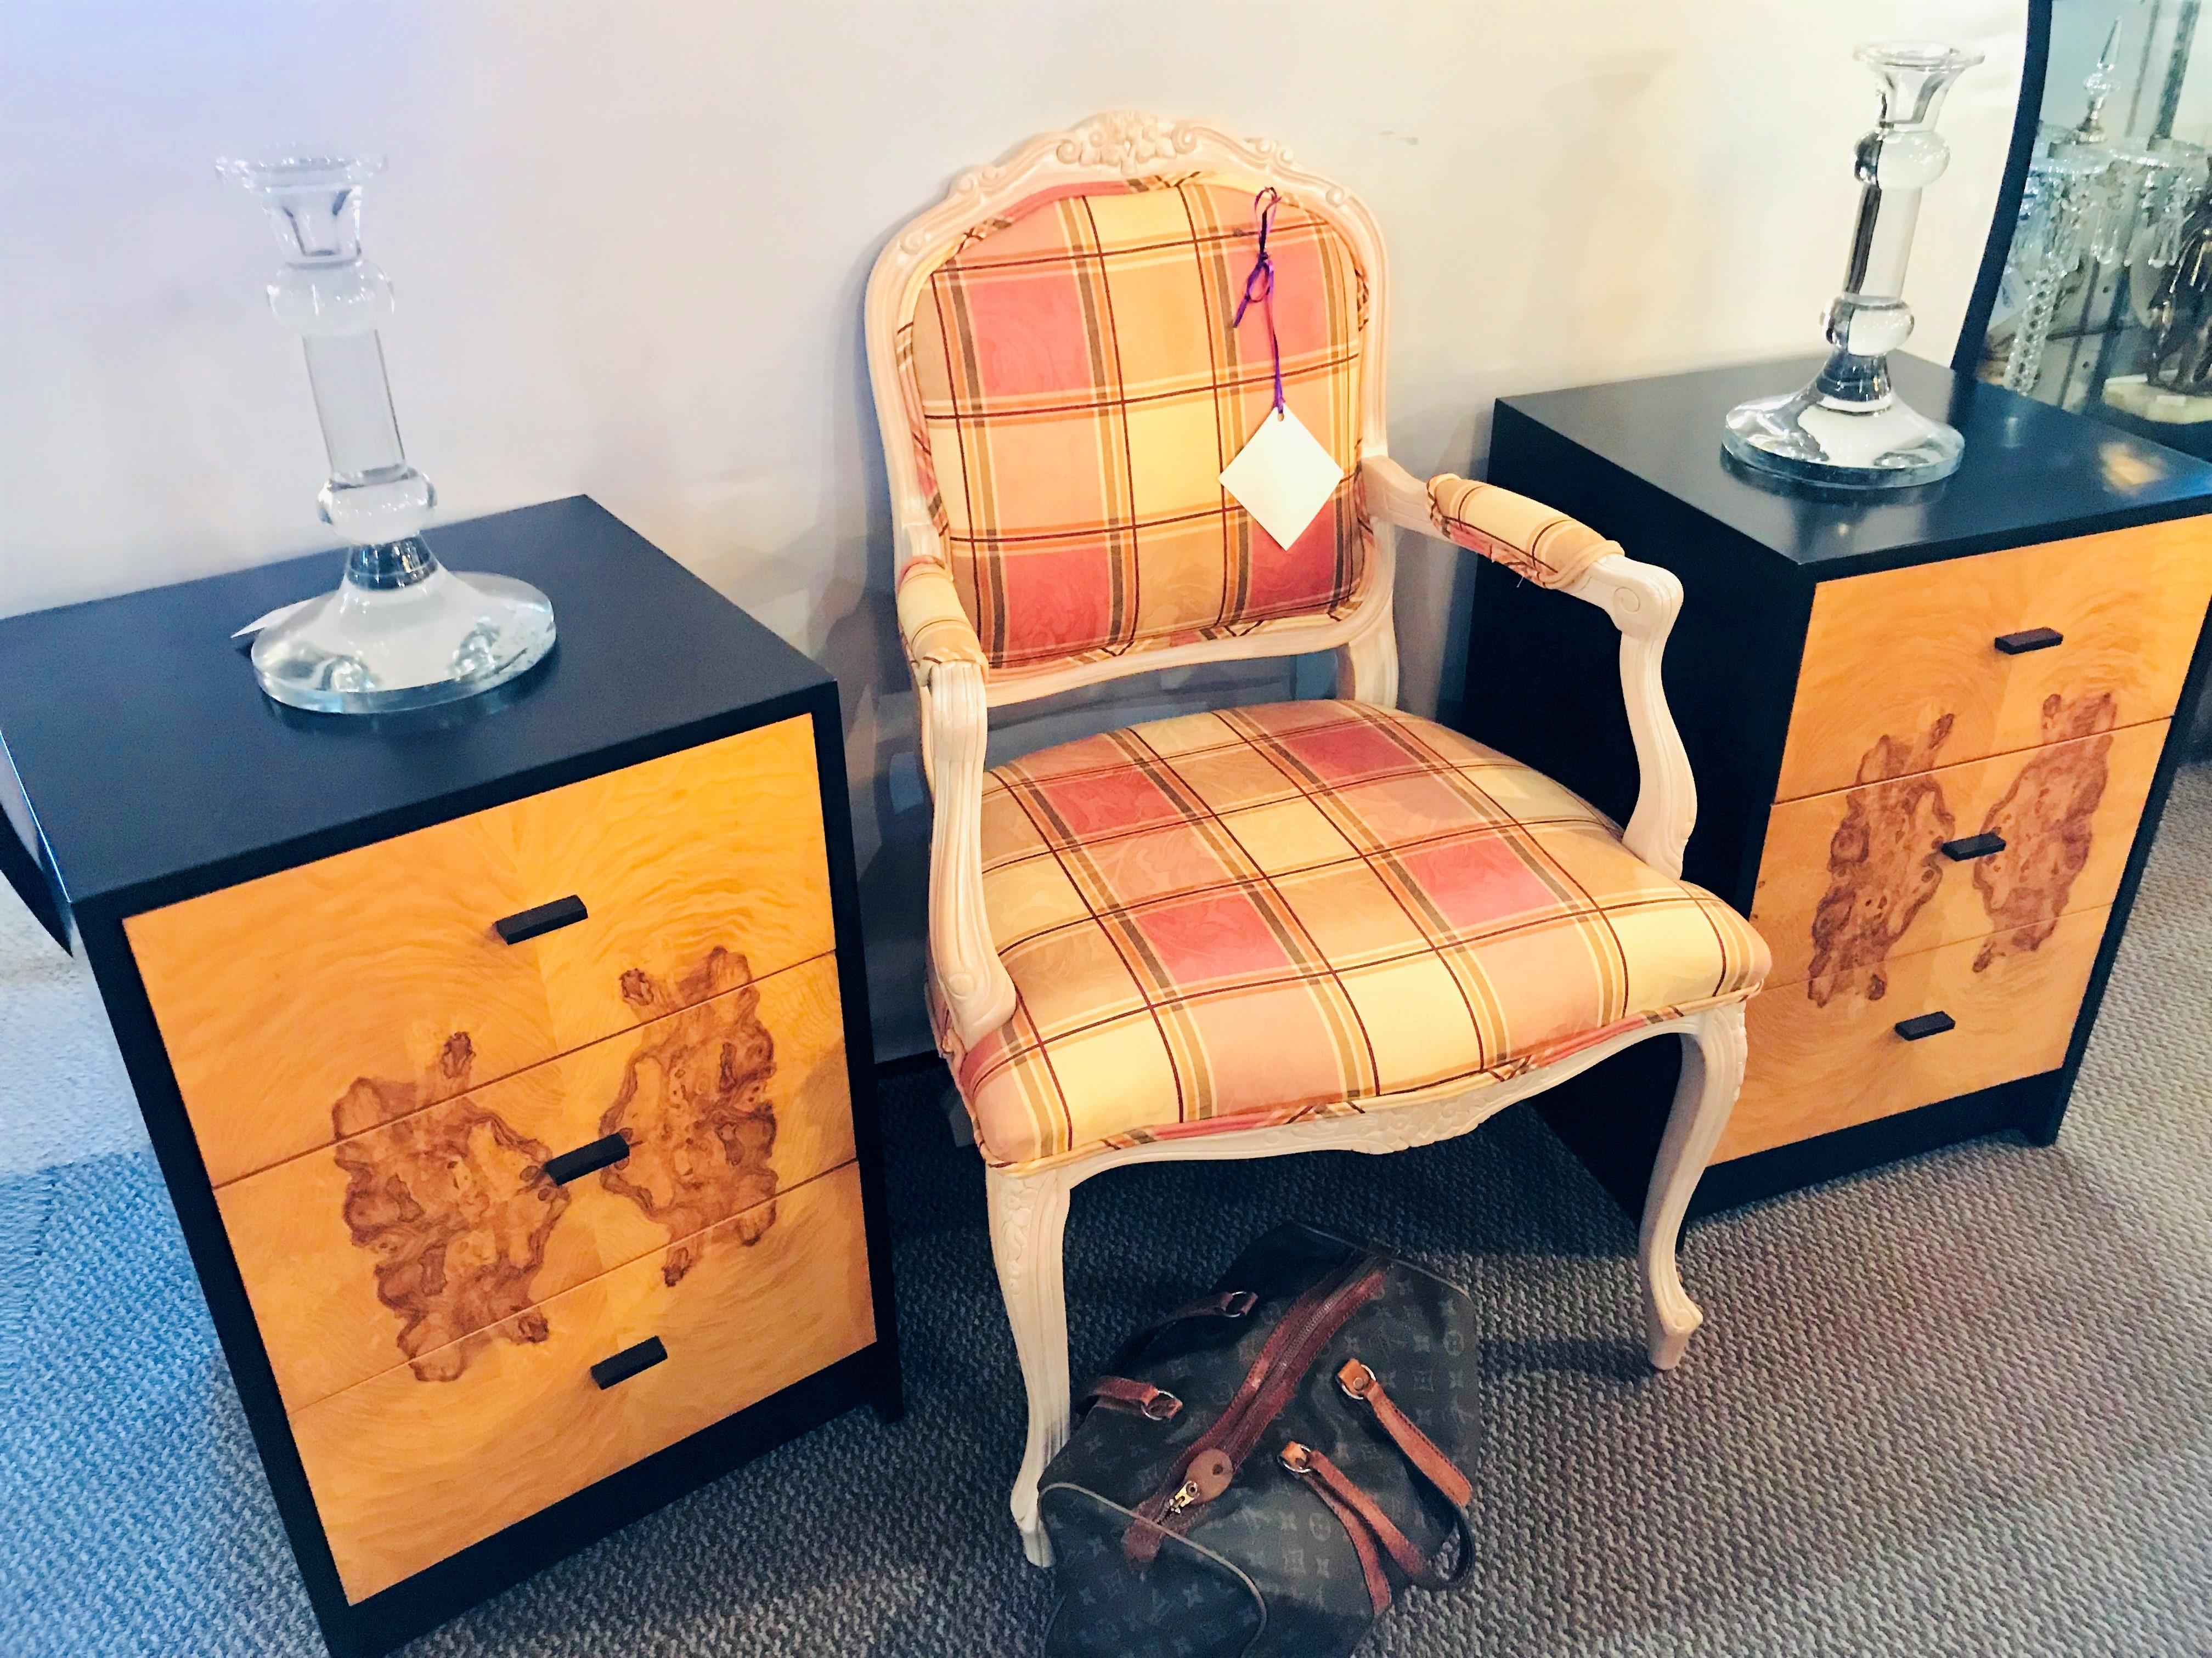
{"x": 1848, "y": 427}
{"x": 402, "y": 631}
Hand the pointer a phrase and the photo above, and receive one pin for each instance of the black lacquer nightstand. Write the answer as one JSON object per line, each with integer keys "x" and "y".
{"x": 507, "y": 1062}
{"x": 1932, "y": 729}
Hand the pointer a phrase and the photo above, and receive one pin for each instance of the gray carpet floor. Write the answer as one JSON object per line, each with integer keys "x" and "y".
{"x": 1962, "y": 1405}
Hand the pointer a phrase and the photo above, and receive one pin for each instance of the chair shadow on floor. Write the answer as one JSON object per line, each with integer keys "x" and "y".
{"x": 1607, "y": 1360}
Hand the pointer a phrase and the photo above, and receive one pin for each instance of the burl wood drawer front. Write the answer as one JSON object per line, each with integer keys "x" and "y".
{"x": 1850, "y": 878}
{"x": 387, "y": 1247}
{"x": 406, "y": 1472}
{"x": 1824, "y": 1057}
{"x": 283, "y": 1001}
{"x": 1901, "y": 672}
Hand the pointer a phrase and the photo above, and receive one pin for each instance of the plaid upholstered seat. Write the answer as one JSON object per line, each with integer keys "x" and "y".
{"x": 1252, "y": 916}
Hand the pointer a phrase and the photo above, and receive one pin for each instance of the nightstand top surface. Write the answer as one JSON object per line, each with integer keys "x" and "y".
{"x": 2030, "y": 473}
{"x": 189, "y": 767}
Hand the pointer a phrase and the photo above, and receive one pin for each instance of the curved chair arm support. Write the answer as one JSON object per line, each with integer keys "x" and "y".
{"x": 1556, "y": 551}
{"x": 1644, "y": 601}
{"x": 949, "y": 667}
{"x": 932, "y": 628}
{"x": 978, "y": 994}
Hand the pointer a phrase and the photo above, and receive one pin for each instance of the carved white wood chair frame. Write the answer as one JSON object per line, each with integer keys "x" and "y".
{"x": 1029, "y": 1211}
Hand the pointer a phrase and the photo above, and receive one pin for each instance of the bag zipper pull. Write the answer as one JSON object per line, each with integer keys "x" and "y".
{"x": 1208, "y": 1477}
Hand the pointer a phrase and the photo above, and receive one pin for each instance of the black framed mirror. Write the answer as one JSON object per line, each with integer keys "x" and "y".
{"x": 2095, "y": 291}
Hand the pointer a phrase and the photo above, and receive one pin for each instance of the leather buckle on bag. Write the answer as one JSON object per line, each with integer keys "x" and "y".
{"x": 1238, "y": 1302}
{"x": 1355, "y": 1379}
{"x": 1162, "y": 1406}
{"x": 1296, "y": 1458}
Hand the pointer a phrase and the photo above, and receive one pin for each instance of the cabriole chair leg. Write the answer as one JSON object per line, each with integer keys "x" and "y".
{"x": 1712, "y": 1072}
{"x": 1029, "y": 1220}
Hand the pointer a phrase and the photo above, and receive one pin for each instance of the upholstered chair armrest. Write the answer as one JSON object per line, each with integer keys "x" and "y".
{"x": 949, "y": 668}
{"x": 1526, "y": 537}
{"x": 932, "y": 624}
{"x": 1554, "y": 550}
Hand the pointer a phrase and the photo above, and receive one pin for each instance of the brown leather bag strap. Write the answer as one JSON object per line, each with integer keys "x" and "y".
{"x": 1362, "y": 1386}
{"x": 1223, "y": 1303}
{"x": 1300, "y": 1461}
{"x": 1400, "y": 1548}
{"x": 1141, "y": 1396}
{"x": 1154, "y": 1402}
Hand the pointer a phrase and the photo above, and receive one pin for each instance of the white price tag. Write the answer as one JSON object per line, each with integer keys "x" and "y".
{"x": 1283, "y": 476}
{"x": 260, "y": 623}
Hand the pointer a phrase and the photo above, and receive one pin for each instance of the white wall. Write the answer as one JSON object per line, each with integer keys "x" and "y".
{"x": 630, "y": 238}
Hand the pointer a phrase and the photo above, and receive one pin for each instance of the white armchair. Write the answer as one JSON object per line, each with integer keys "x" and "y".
{"x": 1243, "y": 932}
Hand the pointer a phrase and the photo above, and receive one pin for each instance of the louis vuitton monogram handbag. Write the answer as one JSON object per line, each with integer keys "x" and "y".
{"x": 1260, "y": 1471}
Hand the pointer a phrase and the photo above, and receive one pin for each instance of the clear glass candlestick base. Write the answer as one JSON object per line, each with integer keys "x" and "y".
{"x": 1812, "y": 435}
{"x": 402, "y": 631}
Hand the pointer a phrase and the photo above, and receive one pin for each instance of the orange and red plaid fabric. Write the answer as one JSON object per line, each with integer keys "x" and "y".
{"x": 1305, "y": 909}
{"x": 1076, "y": 387}
{"x": 1525, "y": 535}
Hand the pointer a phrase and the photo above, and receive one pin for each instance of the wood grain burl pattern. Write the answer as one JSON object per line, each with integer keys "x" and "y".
{"x": 2048, "y": 818}
{"x": 696, "y": 1110}
{"x": 1884, "y": 863}
{"x": 1817, "y": 1067}
{"x": 1850, "y": 878}
{"x": 406, "y": 1475}
{"x": 418, "y": 1243}
{"x": 456, "y": 1212}
{"x": 277, "y": 996}
{"x": 1896, "y": 653}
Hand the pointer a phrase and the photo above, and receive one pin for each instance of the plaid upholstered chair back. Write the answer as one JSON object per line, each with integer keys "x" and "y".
{"x": 1074, "y": 385}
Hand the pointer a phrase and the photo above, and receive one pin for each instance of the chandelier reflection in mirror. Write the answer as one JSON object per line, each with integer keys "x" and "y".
{"x": 402, "y": 631}
{"x": 1849, "y": 427}
{"x": 2179, "y": 320}
{"x": 2092, "y": 199}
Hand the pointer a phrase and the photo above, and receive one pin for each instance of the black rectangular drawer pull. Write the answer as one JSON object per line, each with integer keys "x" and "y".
{"x": 1926, "y": 1024}
{"x": 1974, "y": 846}
{"x": 529, "y": 923}
{"x": 2029, "y": 638}
{"x": 628, "y": 1363}
{"x": 574, "y": 1165}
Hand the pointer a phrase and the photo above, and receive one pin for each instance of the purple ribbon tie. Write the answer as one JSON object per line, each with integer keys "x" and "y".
{"x": 1261, "y": 284}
